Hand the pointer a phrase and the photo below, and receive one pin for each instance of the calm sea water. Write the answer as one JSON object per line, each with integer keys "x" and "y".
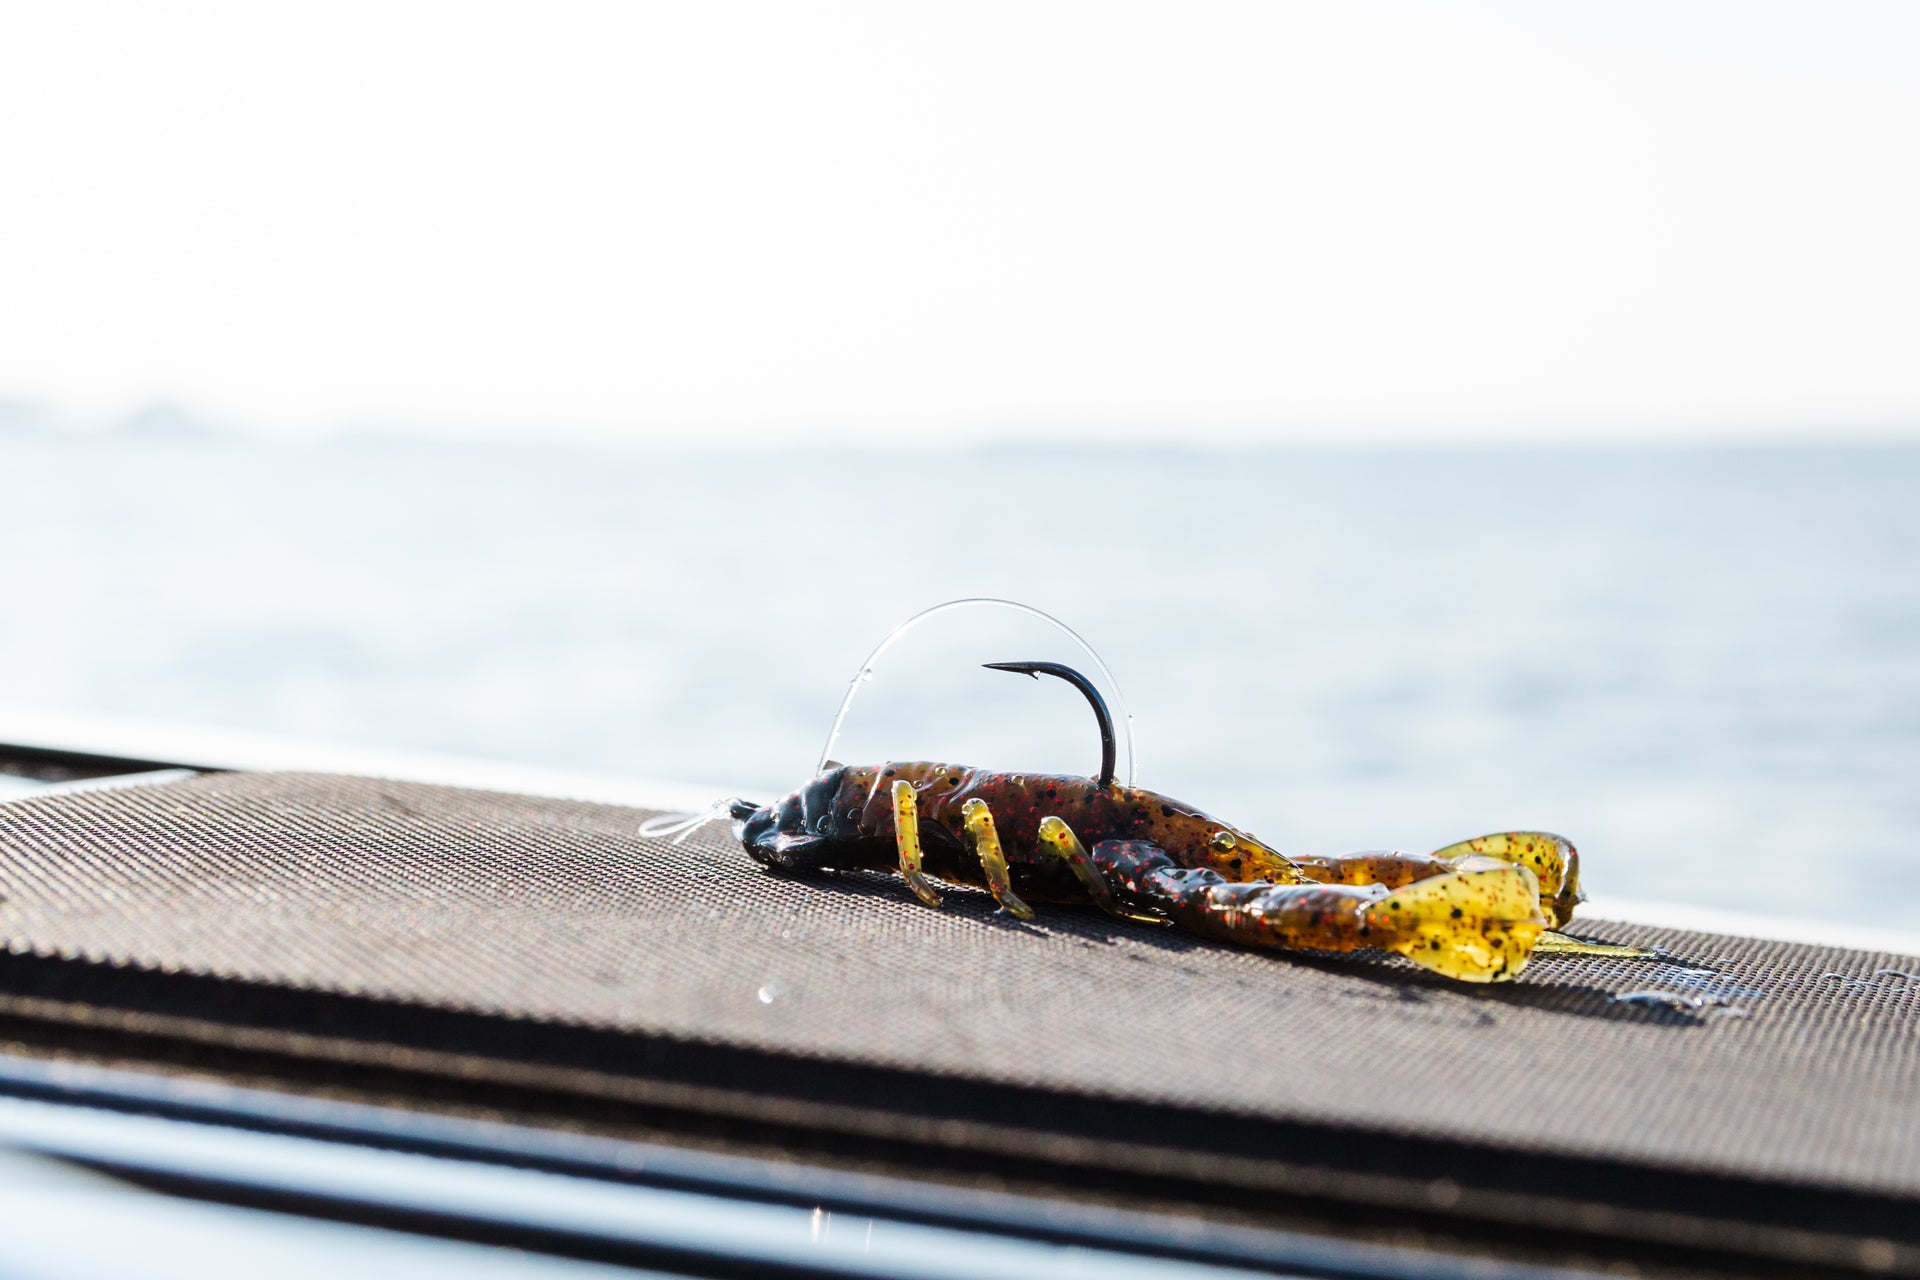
{"x": 1703, "y": 666}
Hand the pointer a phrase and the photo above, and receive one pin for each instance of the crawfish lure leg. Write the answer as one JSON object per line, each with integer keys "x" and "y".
{"x": 1058, "y": 838}
{"x": 906, "y": 835}
{"x": 977, "y": 818}
{"x": 1476, "y": 926}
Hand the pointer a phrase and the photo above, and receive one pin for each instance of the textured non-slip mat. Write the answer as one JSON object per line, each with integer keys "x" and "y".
{"x": 1803, "y": 1063}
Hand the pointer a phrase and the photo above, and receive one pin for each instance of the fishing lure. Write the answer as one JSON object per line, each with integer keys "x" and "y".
{"x": 1475, "y": 911}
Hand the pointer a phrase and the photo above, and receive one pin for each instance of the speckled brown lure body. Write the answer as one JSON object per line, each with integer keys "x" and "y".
{"x": 1472, "y": 911}
{"x": 1019, "y": 801}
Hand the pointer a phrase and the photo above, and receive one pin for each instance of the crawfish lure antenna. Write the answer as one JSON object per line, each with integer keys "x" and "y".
{"x": 1087, "y": 688}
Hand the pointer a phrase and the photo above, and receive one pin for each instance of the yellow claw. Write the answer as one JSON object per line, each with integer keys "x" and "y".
{"x": 1477, "y": 926}
{"x": 1551, "y": 858}
{"x": 978, "y": 820}
{"x": 906, "y": 837}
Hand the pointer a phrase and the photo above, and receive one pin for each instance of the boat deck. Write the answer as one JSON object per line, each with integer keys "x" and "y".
{"x": 1746, "y": 1105}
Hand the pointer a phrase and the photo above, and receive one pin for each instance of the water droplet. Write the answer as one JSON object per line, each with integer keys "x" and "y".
{"x": 1223, "y": 842}
{"x": 772, "y": 991}
{"x": 1710, "y": 981}
{"x": 1671, "y": 1000}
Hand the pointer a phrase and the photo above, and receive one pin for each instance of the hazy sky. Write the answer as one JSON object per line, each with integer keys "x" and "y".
{"x": 885, "y": 220}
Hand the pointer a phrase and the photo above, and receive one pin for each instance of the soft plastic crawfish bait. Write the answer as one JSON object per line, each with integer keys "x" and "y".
{"x": 1475, "y": 911}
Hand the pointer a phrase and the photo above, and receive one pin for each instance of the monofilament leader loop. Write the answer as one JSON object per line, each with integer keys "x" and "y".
{"x": 865, "y": 673}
